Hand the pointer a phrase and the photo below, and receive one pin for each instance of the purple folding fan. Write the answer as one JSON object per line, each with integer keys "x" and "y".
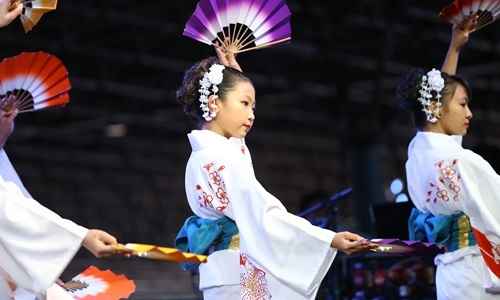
{"x": 240, "y": 25}
{"x": 399, "y": 247}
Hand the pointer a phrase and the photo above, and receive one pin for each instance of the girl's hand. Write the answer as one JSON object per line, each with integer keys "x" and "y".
{"x": 9, "y": 10}
{"x": 100, "y": 243}
{"x": 6, "y": 125}
{"x": 460, "y": 33}
{"x": 7, "y": 103}
{"x": 350, "y": 243}
{"x": 227, "y": 57}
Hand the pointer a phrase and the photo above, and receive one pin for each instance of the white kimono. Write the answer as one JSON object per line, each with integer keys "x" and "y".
{"x": 281, "y": 256}
{"x": 36, "y": 244}
{"x": 444, "y": 179}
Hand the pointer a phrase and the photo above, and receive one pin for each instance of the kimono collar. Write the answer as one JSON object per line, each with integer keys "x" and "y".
{"x": 431, "y": 140}
{"x": 201, "y": 139}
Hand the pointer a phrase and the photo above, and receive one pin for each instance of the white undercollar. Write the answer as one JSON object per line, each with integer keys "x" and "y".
{"x": 201, "y": 139}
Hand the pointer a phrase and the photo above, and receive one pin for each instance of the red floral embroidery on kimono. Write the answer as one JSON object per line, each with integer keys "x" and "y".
{"x": 253, "y": 281}
{"x": 447, "y": 186}
{"x": 217, "y": 187}
{"x": 205, "y": 199}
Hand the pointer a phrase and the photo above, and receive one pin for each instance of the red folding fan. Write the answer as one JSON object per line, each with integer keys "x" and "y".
{"x": 491, "y": 258}
{"x": 94, "y": 284}
{"x": 33, "y": 10}
{"x": 487, "y": 11}
{"x": 31, "y": 81}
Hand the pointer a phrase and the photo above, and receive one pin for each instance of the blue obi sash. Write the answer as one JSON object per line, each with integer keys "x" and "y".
{"x": 453, "y": 232}
{"x": 202, "y": 236}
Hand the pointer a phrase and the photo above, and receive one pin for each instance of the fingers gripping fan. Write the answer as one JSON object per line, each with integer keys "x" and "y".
{"x": 240, "y": 25}
{"x": 456, "y": 13}
{"x": 32, "y": 81}
{"x": 33, "y": 10}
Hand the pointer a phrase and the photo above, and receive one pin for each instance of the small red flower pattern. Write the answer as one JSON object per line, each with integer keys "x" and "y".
{"x": 447, "y": 187}
{"x": 217, "y": 198}
{"x": 253, "y": 281}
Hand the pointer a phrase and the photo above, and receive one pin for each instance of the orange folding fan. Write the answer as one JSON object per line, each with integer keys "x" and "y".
{"x": 95, "y": 284}
{"x": 163, "y": 253}
{"x": 33, "y": 10}
{"x": 32, "y": 81}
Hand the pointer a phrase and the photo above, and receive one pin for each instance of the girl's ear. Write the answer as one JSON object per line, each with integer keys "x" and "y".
{"x": 214, "y": 104}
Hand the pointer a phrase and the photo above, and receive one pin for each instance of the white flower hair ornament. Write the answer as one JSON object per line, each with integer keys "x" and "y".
{"x": 433, "y": 81}
{"x": 208, "y": 87}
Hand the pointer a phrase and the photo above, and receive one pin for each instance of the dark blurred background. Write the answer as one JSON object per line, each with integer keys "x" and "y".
{"x": 327, "y": 119}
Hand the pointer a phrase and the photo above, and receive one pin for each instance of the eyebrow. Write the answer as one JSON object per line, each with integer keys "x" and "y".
{"x": 249, "y": 99}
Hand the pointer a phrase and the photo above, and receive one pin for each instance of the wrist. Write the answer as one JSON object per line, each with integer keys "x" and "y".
{"x": 333, "y": 244}
{"x": 86, "y": 239}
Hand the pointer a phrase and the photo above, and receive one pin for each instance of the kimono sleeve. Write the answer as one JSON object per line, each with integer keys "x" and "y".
{"x": 481, "y": 202}
{"x": 289, "y": 247}
{"x": 35, "y": 243}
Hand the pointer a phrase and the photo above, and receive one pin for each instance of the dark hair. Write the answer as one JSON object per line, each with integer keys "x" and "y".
{"x": 188, "y": 95}
{"x": 407, "y": 93}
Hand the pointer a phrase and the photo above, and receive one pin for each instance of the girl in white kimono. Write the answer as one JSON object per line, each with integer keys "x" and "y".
{"x": 36, "y": 244}
{"x": 276, "y": 254}
{"x": 452, "y": 184}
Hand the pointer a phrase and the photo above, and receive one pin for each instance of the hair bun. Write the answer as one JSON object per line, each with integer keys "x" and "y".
{"x": 188, "y": 94}
{"x": 407, "y": 90}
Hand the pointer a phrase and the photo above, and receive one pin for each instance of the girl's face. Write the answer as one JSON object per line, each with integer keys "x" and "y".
{"x": 456, "y": 115}
{"x": 235, "y": 113}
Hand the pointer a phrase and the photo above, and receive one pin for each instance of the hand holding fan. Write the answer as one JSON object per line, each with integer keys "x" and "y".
{"x": 240, "y": 25}
{"x": 486, "y": 11}
{"x": 94, "y": 284}
{"x": 31, "y": 81}
{"x": 33, "y": 10}
{"x": 162, "y": 253}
